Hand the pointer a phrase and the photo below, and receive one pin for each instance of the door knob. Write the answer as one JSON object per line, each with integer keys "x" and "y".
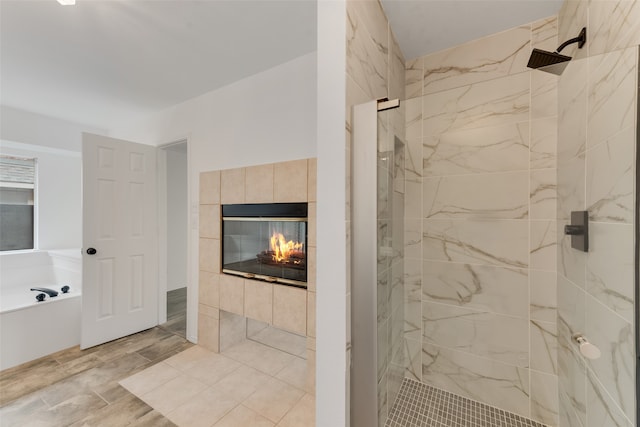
{"x": 92, "y": 251}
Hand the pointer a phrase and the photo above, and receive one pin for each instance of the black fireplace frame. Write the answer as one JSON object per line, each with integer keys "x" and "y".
{"x": 266, "y": 212}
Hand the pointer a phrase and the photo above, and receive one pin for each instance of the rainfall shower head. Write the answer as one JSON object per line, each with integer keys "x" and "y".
{"x": 554, "y": 62}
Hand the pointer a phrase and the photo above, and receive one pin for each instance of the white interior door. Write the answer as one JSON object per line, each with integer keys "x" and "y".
{"x": 119, "y": 222}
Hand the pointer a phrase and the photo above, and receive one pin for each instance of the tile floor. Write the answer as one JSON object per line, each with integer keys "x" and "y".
{"x": 420, "y": 405}
{"x": 249, "y": 384}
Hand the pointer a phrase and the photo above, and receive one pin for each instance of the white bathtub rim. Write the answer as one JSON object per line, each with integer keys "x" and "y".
{"x": 16, "y": 298}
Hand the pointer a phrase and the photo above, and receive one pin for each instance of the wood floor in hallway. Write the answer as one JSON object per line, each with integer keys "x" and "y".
{"x": 80, "y": 387}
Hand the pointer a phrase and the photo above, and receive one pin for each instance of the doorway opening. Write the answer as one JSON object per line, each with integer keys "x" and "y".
{"x": 174, "y": 214}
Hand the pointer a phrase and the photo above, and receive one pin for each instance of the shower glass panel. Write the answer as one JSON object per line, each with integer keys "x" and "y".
{"x": 378, "y": 262}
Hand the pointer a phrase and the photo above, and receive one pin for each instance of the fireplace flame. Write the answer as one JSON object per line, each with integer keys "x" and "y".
{"x": 283, "y": 250}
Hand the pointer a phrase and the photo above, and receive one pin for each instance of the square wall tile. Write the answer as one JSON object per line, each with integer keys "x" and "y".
{"x": 311, "y": 314}
{"x": 312, "y": 179}
{"x": 258, "y": 300}
{"x": 290, "y": 181}
{"x": 209, "y": 289}
{"x": 208, "y": 332}
{"x": 290, "y": 309}
{"x": 232, "y": 186}
{"x": 311, "y": 224}
{"x": 233, "y": 329}
{"x": 232, "y": 294}
{"x": 210, "y": 188}
{"x": 210, "y": 221}
{"x": 311, "y": 269}
{"x": 259, "y": 184}
{"x": 209, "y": 255}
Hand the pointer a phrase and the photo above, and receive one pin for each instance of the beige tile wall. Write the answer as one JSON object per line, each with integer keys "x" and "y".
{"x": 288, "y": 308}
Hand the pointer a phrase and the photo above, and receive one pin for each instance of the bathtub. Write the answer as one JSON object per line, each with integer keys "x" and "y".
{"x": 30, "y": 329}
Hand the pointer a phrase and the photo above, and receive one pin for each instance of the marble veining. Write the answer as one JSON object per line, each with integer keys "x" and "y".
{"x": 485, "y": 334}
{"x": 496, "y": 289}
{"x": 494, "y": 242}
{"x": 544, "y": 33}
{"x": 483, "y": 196}
{"x": 610, "y": 267}
{"x": 544, "y": 143}
{"x": 572, "y": 110}
{"x": 543, "y": 245}
{"x": 489, "y": 103}
{"x": 496, "y": 383}
{"x": 367, "y": 58}
{"x": 543, "y": 194}
{"x": 601, "y": 408}
{"x": 612, "y": 94}
{"x": 614, "y": 25}
{"x": 616, "y": 367}
{"x": 544, "y": 347}
{"x": 501, "y": 148}
{"x": 610, "y": 176}
{"x": 484, "y": 59}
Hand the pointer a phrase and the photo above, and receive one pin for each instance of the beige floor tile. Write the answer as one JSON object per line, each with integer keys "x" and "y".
{"x": 145, "y": 381}
{"x": 186, "y": 359}
{"x": 301, "y": 415}
{"x": 295, "y": 374}
{"x": 259, "y": 356}
{"x": 203, "y": 410}
{"x": 241, "y": 416}
{"x": 212, "y": 369}
{"x": 242, "y": 382}
{"x": 274, "y": 399}
{"x": 173, "y": 393}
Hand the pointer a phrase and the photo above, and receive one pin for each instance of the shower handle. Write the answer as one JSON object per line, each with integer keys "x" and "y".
{"x": 574, "y": 230}
{"x": 92, "y": 251}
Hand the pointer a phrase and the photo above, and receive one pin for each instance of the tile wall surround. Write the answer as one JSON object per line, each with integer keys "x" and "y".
{"x": 376, "y": 69}
{"x": 480, "y": 222}
{"x": 225, "y": 301}
{"x": 598, "y": 113}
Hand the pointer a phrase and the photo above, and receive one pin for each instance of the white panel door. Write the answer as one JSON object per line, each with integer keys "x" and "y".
{"x": 119, "y": 238}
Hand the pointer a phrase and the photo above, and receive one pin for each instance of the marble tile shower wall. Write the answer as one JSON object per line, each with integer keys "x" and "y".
{"x": 375, "y": 69}
{"x": 480, "y": 222}
{"x": 598, "y": 113}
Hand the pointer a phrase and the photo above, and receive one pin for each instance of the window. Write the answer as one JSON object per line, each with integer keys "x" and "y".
{"x": 17, "y": 190}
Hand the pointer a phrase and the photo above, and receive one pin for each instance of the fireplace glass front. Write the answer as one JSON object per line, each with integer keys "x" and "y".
{"x": 266, "y": 242}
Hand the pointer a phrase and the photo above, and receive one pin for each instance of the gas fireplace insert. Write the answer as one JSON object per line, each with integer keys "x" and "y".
{"x": 266, "y": 242}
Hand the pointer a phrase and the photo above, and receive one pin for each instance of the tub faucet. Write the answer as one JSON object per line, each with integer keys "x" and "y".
{"x": 47, "y": 291}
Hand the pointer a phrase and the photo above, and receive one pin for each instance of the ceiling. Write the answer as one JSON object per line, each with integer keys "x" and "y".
{"x": 105, "y": 62}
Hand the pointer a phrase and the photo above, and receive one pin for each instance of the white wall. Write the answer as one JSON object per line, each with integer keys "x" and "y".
{"x": 58, "y": 194}
{"x": 57, "y": 145}
{"x": 177, "y": 209}
{"x": 31, "y": 128}
{"x": 332, "y": 304}
{"x": 266, "y": 118}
